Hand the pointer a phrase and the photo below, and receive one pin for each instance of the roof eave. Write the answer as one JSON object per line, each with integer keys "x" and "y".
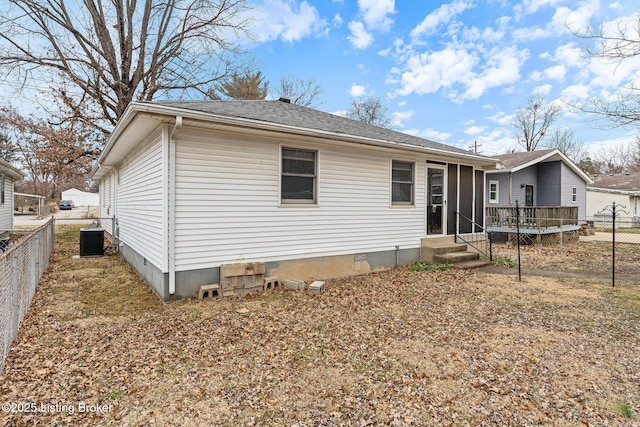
{"x": 136, "y": 108}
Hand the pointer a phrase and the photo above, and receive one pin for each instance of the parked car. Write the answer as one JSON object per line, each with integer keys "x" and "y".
{"x": 65, "y": 204}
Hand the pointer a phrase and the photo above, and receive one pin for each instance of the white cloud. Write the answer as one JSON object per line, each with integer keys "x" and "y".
{"x": 529, "y": 7}
{"x": 501, "y": 118}
{"x": 399, "y": 117}
{"x": 556, "y": 72}
{"x": 429, "y": 133}
{"x": 474, "y": 130}
{"x": 360, "y": 37}
{"x": 357, "y": 91}
{"x": 376, "y": 13}
{"x": 442, "y": 15}
{"x": 543, "y": 90}
{"x": 429, "y": 72}
{"x": 564, "y": 20}
{"x": 375, "y": 17}
{"x": 575, "y": 92}
{"x": 287, "y": 20}
{"x": 337, "y": 20}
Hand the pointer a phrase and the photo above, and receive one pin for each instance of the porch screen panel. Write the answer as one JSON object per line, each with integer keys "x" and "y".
{"x": 466, "y": 199}
{"x": 452, "y": 198}
{"x": 479, "y": 219}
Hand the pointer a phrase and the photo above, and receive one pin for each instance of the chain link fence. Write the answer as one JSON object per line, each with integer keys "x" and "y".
{"x": 21, "y": 265}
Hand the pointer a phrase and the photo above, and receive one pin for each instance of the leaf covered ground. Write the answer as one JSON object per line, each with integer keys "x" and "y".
{"x": 391, "y": 348}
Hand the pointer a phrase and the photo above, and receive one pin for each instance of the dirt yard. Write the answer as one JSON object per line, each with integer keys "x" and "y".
{"x": 391, "y": 348}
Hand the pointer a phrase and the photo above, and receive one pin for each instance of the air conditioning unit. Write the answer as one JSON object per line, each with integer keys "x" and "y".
{"x": 91, "y": 242}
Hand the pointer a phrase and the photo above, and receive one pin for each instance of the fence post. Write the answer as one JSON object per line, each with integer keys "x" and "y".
{"x": 15, "y": 305}
{"x": 518, "y": 239}
{"x": 561, "y": 234}
{"x": 613, "y": 247}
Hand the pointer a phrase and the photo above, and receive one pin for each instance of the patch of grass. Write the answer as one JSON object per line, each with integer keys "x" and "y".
{"x": 502, "y": 261}
{"x": 622, "y": 408}
{"x": 431, "y": 266}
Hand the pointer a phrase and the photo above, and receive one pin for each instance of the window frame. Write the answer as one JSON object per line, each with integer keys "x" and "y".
{"x": 495, "y": 199}
{"x": 404, "y": 203}
{"x": 574, "y": 194}
{"x": 283, "y": 173}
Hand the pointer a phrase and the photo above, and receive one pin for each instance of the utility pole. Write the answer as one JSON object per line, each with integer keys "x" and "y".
{"x": 475, "y": 146}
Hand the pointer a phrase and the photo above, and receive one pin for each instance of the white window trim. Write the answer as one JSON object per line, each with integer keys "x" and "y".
{"x": 497, "y": 198}
{"x": 283, "y": 203}
{"x": 574, "y": 195}
{"x": 413, "y": 185}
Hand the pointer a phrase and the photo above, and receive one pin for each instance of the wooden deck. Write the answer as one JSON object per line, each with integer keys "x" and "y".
{"x": 532, "y": 219}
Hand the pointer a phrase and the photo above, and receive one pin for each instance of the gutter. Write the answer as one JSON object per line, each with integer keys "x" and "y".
{"x": 172, "y": 206}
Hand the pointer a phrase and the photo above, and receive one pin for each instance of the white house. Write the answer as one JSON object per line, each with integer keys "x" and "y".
{"x": 81, "y": 198}
{"x": 8, "y": 175}
{"x": 196, "y": 185}
{"x": 624, "y": 190}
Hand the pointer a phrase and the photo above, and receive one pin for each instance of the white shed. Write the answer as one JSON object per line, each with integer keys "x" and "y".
{"x": 81, "y": 198}
{"x": 197, "y": 185}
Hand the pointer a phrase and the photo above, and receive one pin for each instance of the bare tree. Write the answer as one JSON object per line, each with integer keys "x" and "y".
{"x": 249, "y": 85}
{"x": 300, "y": 92}
{"x": 111, "y": 53}
{"x": 619, "y": 158}
{"x": 533, "y": 121}
{"x": 51, "y": 154}
{"x": 565, "y": 141}
{"x": 8, "y": 149}
{"x": 617, "y": 43}
{"x": 369, "y": 110}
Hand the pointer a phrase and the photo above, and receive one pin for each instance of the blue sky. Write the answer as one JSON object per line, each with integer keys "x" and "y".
{"x": 454, "y": 72}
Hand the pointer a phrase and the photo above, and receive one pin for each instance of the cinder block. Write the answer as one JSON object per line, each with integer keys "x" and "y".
{"x": 254, "y": 268}
{"x": 230, "y": 270}
{"x": 294, "y": 284}
{"x": 271, "y": 282}
{"x": 316, "y": 287}
{"x": 209, "y": 291}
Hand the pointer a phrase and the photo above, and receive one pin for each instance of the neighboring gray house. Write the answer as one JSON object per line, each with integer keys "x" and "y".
{"x": 8, "y": 175}
{"x": 538, "y": 178}
{"x": 624, "y": 190}
{"x": 274, "y": 188}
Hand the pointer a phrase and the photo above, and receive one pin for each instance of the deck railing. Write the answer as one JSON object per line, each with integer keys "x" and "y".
{"x": 539, "y": 217}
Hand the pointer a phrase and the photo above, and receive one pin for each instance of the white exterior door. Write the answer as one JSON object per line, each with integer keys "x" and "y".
{"x": 436, "y": 200}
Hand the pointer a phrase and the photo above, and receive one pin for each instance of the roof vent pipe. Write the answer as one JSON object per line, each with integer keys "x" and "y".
{"x": 287, "y": 100}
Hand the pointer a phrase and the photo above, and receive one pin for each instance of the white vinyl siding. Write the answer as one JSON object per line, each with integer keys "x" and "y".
{"x": 106, "y": 201}
{"x": 6, "y": 208}
{"x": 139, "y": 210}
{"x": 228, "y": 203}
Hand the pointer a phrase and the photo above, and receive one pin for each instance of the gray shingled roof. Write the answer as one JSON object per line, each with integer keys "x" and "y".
{"x": 283, "y": 113}
{"x": 623, "y": 182}
{"x": 514, "y": 160}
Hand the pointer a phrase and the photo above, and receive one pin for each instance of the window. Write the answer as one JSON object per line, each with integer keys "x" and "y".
{"x": 401, "y": 183}
{"x": 298, "y": 176}
{"x": 494, "y": 189}
{"x": 2, "y": 183}
{"x": 574, "y": 195}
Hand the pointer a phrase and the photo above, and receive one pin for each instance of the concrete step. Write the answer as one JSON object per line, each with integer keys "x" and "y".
{"x": 468, "y": 265}
{"x": 446, "y": 248}
{"x": 456, "y": 257}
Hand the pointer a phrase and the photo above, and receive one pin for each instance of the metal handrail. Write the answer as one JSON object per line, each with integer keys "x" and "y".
{"x": 474, "y": 225}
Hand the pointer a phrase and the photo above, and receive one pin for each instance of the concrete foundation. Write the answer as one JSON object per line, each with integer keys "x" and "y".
{"x": 308, "y": 269}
